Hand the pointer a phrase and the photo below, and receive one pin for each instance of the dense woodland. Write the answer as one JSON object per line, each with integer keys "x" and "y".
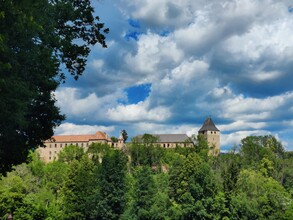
{"x": 143, "y": 181}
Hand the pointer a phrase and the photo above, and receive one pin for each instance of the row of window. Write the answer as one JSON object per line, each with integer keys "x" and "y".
{"x": 173, "y": 145}
{"x": 77, "y": 144}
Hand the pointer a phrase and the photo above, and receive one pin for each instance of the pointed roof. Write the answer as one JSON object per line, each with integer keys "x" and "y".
{"x": 208, "y": 125}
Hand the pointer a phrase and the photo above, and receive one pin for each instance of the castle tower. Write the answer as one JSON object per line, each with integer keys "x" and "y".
{"x": 212, "y": 135}
{"x": 121, "y": 142}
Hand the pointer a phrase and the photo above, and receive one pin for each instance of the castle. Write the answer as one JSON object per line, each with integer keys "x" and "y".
{"x": 49, "y": 152}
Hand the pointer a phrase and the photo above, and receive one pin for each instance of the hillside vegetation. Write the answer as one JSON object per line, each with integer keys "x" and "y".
{"x": 144, "y": 181}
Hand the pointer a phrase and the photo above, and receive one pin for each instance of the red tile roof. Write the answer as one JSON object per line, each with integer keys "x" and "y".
{"x": 80, "y": 138}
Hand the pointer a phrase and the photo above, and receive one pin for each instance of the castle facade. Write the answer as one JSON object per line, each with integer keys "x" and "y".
{"x": 49, "y": 152}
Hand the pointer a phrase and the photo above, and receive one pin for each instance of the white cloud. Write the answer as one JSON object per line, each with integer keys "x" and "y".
{"x": 264, "y": 76}
{"x": 155, "y": 128}
{"x": 87, "y": 108}
{"x": 97, "y": 64}
{"x": 70, "y": 128}
{"x": 162, "y": 13}
{"x": 153, "y": 53}
{"x": 231, "y": 59}
{"x": 234, "y": 138}
{"x": 138, "y": 112}
{"x": 243, "y": 125}
{"x": 239, "y": 105}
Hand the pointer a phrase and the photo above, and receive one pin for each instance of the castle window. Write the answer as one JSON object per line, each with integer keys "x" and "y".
{"x": 65, "y": 145}
{"x": 49, "y": 158}
{"x": 82, "y": 144}
{"x": 55, "y": 145}
{"x": 61, "y": 145}
{"x": 50, "y": 152}
{"x": 50, "y": 145}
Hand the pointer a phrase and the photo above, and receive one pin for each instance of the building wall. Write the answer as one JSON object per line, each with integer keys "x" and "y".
{"x": 213, "y": 139}
{"x": 173, "y": 145}
{"x": 50, "y": 151}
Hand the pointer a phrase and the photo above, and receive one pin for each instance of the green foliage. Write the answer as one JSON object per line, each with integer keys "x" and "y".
{"x": 77, "y": 191}
{"x": 265, "y": 198}
{"x": 193, "y": 187}
{"x": 103, "y": 184}
{"x": 114, "y": 139}
{"x": 97, "y": 151}
{"x": 230, "y": 177}
{"x": 111, "y": 197}
{"x": 124, "y": 135}
{"x": 55, "y": 174}
{"x": 146, "y": 154}
{"x": 201, "y": 147}
{"x": 70, "y": 153}
{"x": 254, "y": 148}
{"x": 144, "y": 192}
{"x": 37, "y": 37}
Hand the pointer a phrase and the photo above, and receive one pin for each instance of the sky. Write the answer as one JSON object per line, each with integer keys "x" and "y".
{"x": 170, "y": 64}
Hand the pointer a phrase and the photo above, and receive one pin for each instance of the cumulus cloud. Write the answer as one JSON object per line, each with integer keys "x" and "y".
{"x": 155, "y": 128}
{"x": 89, "y": 108}
{"x": 70, "y": 128}
{"x": 138, "y": 112}
{"x": 231, "y": 59}
{"x": 233, "y": 139}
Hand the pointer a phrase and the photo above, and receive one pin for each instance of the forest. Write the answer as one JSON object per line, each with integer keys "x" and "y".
{"x": 144, "y": 181}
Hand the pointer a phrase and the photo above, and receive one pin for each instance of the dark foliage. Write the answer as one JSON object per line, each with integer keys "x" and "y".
{"x": 36, "y": 38}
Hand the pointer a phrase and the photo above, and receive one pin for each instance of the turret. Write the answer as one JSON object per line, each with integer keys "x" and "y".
{"x": 212, "y": 135}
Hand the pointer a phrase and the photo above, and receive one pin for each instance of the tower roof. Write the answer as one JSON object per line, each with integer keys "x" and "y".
{"x": 208, "y": 125}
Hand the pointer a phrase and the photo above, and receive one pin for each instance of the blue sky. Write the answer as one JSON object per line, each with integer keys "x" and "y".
{"x": 170, "y": 64}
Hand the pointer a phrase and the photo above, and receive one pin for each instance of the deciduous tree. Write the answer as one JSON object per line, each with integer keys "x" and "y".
{"x": 36, "y": 38}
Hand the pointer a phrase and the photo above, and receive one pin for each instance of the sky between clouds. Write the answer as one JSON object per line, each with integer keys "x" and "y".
{"x": 170, "y": 64}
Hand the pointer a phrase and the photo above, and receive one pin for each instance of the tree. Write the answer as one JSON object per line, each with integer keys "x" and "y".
{"x": 144, "y": 193}
{"x": 111, "y": 196}
{"x": 77, "y": 191}
{"x": 193, "y": 188}
{"x": 114, "y": 139}
{"x": 37, "y": 37}
{"x": 259, "y": 197}
{"x": 97, "y": 151}
{"x": 254, "y": 148}
{"x": 124, "y": 135}
{"x": 23, "y": 195}
{"x": 70, "y": 153}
